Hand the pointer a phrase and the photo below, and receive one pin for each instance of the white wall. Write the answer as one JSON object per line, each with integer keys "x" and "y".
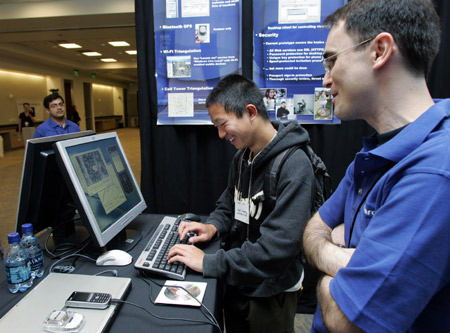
{"x": 19, "y": 87}
{"x": 22, "y": 81}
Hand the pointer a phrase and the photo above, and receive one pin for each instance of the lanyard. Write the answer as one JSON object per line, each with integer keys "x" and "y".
{"x": 363, "y": 200}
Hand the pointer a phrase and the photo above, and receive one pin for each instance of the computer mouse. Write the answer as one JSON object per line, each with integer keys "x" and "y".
{"x": 189, "y": 217}
{"x": 114, "y": 258}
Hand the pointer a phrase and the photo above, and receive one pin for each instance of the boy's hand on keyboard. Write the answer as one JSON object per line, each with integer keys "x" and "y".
{"x": 203, "y": 232}
{"x": 189, "y": 255}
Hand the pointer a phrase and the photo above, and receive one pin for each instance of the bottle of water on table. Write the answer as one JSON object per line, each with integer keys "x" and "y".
{"x": 34, "y": 248}
{"x": 18, "y": 266}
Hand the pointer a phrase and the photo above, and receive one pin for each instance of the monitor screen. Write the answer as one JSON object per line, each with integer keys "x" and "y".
{"x": 44, "y": 199}
{"x": 102, "y": 184}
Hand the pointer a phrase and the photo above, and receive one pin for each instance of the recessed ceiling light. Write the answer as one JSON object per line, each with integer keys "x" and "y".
{"x": 70, "y": 46}
{"x": 108, "y": 60}
{"x": 119, "y": 43}
{"x": 92, "y": 54}
{"x": 132, "y": 52}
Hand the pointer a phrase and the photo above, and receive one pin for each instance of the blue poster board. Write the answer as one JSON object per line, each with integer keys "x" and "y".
{"x": 197, "y": 42}
{"x": 289, "y": 42}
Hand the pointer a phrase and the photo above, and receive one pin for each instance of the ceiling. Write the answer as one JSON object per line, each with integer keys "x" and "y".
{"x": 35, "y": 41}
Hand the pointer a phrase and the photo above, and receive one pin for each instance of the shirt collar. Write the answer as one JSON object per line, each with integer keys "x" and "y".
{"x": 411, "y": 136}
{"x": 54, "y": 124}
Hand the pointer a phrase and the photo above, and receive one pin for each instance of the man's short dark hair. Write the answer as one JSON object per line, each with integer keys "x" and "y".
{"x": 26, "y": 104}
{"x": 414, "y": 24}
{"x": 50, "y": 98}
{"x": 234, "y": 92}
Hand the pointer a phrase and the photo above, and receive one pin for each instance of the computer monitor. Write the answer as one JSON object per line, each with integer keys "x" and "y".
{"x": 103, "y": 187}
{"x": 44, "y": 199}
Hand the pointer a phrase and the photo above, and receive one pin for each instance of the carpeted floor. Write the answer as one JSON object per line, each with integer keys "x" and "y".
{"x": 11, "y": 172}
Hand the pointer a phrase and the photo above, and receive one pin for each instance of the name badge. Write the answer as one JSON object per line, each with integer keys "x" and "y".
{"x": 241, "y": 212}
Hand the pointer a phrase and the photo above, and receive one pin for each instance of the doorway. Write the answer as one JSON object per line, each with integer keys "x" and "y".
{"x": 87, "y": 90}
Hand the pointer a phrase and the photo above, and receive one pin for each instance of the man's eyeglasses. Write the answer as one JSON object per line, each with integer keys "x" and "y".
{"x": 328, "y": 62}
{"x": 55, "y": 105}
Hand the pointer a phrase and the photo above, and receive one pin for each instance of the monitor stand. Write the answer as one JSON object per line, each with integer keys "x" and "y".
{"x": 76, "y": 233}
{"x": 126, "y": 240}
{"x": 71, "y": 234}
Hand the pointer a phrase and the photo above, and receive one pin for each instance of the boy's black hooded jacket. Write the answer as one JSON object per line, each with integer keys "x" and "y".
{"x": 263, "y": 258}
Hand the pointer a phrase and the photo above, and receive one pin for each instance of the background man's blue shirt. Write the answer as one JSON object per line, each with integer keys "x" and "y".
{"x": 50, "y": 128}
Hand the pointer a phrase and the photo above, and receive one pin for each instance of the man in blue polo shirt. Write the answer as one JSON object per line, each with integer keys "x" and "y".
{"x": 57, "y": 122}
{"x": 393, "y": 272}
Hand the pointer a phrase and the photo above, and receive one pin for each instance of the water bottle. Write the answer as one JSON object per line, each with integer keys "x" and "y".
{"x": 17, "y": 264}
{"x": 34, "y": 248}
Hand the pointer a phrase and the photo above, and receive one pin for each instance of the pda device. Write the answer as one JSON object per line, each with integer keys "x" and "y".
{"x": 90, "y": 300}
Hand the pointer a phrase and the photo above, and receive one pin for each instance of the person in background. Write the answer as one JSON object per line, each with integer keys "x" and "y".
{"x": 282, "y": 112}
{"x": 261, "y": 262}
{"x": 27, "y": 118}
{"x": 269, "y": 99}
{"x": 57, "y": 123}
{"x": 323, "y": 104}
{"x": 75, "y": 115}
{"x": 390, "y": 271}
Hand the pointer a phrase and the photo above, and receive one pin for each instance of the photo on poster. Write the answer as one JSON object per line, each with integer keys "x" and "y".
{"x": 304, "y": 104}
{"x": 269, "y": 98}
{"x": 194, "y": 8}
{"x": 323, "y": 108}
{"x": 202, "y": 33}
{"x": 299, "y": 11}
{"x": 171, "y": 8}
{"x": 281, "y": 94}
{"x": 181, "y": 104}
{"x": 178, "y": 66}
{"x": 285, "y": 110}
{"x": 273, "y": 97}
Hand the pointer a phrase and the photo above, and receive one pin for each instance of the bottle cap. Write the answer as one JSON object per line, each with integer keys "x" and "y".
{"x": 27, "y": 227}
{"x": 13, "y": 237}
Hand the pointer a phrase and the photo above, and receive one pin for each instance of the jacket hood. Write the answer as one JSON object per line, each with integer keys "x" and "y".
{"x": 289, "y": 134}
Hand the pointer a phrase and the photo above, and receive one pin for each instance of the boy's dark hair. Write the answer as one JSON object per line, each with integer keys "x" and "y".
{"x": 50, "y": 98}
{"x": 234, "y": 92}
{"x": 414, "y": 24}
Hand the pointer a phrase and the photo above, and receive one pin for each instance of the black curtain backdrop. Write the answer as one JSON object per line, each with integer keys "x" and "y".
{"x": 185, "y": 168}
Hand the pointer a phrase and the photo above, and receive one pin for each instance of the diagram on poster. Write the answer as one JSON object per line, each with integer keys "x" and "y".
{"x": 181, "y": 105}
{"x": 171, "y": 8}
{"x": 299, "y": 11}
{"x": 195, "y": 8}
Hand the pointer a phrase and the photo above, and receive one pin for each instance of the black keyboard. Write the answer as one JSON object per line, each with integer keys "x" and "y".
{"x": 153, "y": 258}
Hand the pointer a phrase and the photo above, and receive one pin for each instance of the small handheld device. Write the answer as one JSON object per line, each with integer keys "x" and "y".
{"x": 90, "y": 300}
{"x": 64, "y": 321}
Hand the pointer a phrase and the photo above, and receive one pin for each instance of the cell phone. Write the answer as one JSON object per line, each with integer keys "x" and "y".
{"x": 90, "y": 300}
